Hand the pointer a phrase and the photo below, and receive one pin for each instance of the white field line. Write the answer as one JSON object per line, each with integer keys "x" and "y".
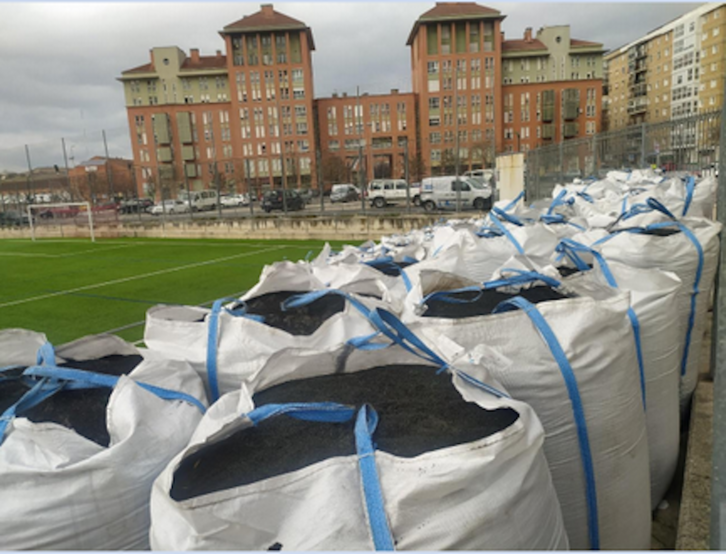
{"x": 39, "y": 255}
{"x": 24, "y": 254}
{"x": 136, "y": 277}
{"x": 93, "y": 250}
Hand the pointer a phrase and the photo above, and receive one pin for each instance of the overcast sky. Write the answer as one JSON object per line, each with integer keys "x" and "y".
{"x": 59, "y": 61}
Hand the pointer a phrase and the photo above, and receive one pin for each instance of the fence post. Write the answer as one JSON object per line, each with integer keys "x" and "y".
{"x": 595, "y": 172}
{"x": 562, "y": 161}
{"x": 718, "y": 475}
{"x": 109, "y": 169}
{"x": 319, "y": 162}
{"x": 30, "y": 192}
{"x": 642, "y": 146}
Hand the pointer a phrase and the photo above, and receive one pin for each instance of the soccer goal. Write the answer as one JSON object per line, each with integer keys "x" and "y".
{"x": 52, "y": 212}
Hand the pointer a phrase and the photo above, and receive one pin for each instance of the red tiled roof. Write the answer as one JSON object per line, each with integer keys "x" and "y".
{"x": 454, "y": 11}
{"x": 265, "y": 18}
{"x": 574, "y": 43}
{"x": 517, "y": 45}
{"x": 146, "y": 68}
{"x": 458, "y": 9}
{"x": 205, "y": 62}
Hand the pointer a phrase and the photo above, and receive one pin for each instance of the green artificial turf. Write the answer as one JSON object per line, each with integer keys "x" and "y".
{"x": 71, "y": 288}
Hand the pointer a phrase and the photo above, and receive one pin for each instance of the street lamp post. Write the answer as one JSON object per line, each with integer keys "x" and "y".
{"x": 456, "y": 132}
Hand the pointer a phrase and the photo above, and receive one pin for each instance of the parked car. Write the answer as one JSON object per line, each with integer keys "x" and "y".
{"x": 306, "y": 195}
{"x": 382, "y": 192}
{"x": 344, "y": 193}
{"x": 170, "y": 207}
{"x": 135, "y": 205}
{"x": 199, "y": 200}
{"x": 13, "y": 218}
{"x": 441, "y": 193}
{"x": 272, "y": 200}
{"x": 231, "y": 200}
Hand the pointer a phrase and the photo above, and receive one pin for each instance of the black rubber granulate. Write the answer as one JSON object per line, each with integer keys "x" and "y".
{"x": 658, "y": 232}
{"x": 419, "y": 411}
{"x": 84, "y": 411}
{"x": 304, "y": 320}
{"x": 392, "y": 269}
{"x": 485, "y": 304}
{"x": 566, "y": 271}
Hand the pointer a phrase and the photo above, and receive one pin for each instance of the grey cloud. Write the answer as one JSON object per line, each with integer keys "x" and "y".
{"x": 60, "y": 61}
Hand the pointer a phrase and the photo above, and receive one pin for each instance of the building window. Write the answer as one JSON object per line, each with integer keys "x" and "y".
{"x": 445, "y": 39}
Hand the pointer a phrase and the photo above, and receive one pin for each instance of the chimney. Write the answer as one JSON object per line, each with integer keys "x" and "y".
{"x": 528, "y": 34}
{"x": 394, "y": 91}
{"x": 151, "y": 53}
{"x": 267, "y": 10}
{"x": 335, "y": 95}
{"x": 345, "y": 95}
{"x": 219, "y": 54}
{"x": 195, "y": 54}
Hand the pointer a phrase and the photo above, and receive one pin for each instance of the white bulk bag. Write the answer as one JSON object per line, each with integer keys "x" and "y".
{"x": 692, "y": 254}
{"x": 493, "y": 493}
{"x": 61, "y": 491}
{"x": 226, "y": 348}
{"x": 653, "y": 296}
{"x": 594, "y": 339}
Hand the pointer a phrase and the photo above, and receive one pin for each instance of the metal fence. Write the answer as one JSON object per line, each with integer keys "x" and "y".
{"x": 687, "y": 144}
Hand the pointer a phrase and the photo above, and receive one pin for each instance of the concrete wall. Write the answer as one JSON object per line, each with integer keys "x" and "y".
{"x": 352, "y": 228}
{"x": 510, "y": 176}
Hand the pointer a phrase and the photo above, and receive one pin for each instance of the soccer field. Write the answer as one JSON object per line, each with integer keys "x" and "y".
{"x": 71, "y": 288}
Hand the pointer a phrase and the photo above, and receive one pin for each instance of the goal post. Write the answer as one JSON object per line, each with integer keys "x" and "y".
{"x": 87, "y": 205}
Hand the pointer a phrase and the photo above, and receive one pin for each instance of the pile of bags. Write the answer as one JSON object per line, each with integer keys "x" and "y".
{"x": 516, "y": 381}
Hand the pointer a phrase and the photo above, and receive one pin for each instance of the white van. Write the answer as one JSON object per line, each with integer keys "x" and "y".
{"x": 390, "y": 191}
{"x": 200, "y": 200}
{"x": 440, "y": 193}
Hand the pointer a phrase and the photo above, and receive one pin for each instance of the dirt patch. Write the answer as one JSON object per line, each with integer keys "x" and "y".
{"x": 418, "y": 411}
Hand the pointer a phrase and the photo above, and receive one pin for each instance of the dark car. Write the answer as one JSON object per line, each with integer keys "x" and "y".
{"x": 12, "y": 218}
{"x": 272, "y": 200}
{"x": 344, "y": 193}
{"x": 135, "y": 205}
{"x": 306, "y": 195}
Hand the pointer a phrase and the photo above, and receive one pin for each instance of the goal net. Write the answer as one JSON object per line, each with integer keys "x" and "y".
{"x": 71, "y": 217}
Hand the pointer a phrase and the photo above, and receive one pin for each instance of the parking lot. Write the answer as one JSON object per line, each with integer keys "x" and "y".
{"x": 312, "y": 208}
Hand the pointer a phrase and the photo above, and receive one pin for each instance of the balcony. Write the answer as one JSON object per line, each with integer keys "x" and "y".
{"x": 570, "y": 111}
{"x": 571, "y": 130}
{"x": 548, "y": 131}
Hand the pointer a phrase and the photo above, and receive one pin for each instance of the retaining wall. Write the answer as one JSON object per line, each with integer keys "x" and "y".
{"x": 353, "y": 228}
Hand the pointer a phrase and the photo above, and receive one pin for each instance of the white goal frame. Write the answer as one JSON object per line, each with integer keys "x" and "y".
{"x": 60, "y": 205}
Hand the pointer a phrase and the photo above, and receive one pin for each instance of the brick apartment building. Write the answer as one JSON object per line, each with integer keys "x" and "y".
{"x": 384, "y": 125}
{"x": 249, "y": 116}
{"x": 100, "y": 178}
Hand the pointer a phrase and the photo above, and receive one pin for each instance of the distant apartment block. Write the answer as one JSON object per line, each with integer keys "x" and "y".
{"x": 249, "y": 117}
{"x": 674, "y": 71}
{"x": 552, "y": 88}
